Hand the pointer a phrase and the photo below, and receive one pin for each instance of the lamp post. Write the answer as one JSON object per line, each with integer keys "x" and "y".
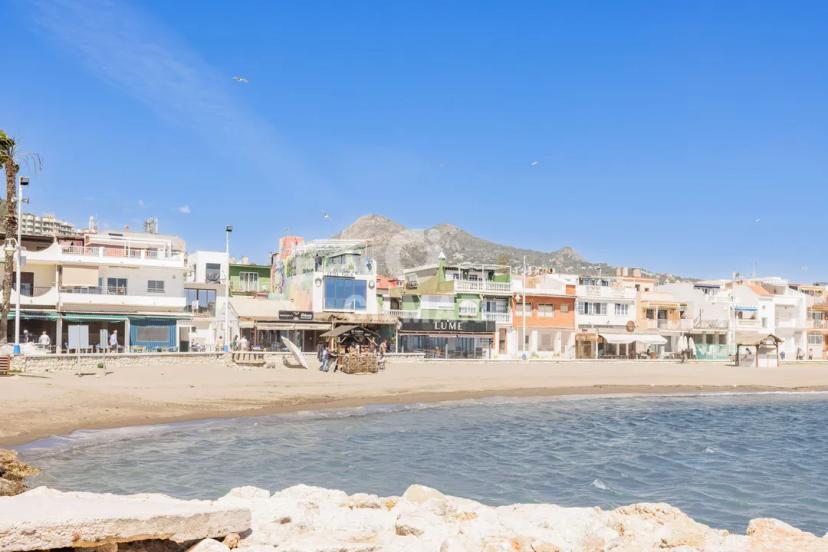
{"x": 525, "y": 356}
{"x": 21, "y": 182}
{"x": 227, "y": 231}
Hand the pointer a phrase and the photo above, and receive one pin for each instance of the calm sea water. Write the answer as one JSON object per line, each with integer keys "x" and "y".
{"x": 722, "y": 459}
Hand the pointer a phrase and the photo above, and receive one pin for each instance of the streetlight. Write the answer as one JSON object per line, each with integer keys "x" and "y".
{"x": 227, "y": 231}
{"x": 21, "y": 182}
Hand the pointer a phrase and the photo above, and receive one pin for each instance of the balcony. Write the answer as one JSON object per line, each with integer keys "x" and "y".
{"x": 102, "y": 255}
{"x": 605, "y": 292}
{"x": 711, "y": 324}
{"x": 404, "y": 314}
{"x": 665, "y": 324}
{"x": 498, "y": 317}
{"x": 118, "y": 296}
{"x": 817, "y": 324}
{"x": 788, "y": 323}
{"x": 748, "y": 323}
{"x": 37, "y": 295}
{"x": 482, "y": 286}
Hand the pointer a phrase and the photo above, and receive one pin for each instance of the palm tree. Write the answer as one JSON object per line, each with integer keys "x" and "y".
{"x": 7, "y": 159}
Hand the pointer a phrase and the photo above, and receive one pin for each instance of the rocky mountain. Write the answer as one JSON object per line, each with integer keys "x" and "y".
{"x": 396, "y": 247}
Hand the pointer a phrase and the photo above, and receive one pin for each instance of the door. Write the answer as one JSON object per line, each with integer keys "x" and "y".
{"x": 27, "y": 284}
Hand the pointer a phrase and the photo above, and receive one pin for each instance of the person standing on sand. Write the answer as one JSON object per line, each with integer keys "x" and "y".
{"x": 325, "y": 355}
{"x": 113, "y": 341}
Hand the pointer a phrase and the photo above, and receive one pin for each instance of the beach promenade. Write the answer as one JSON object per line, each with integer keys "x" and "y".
{"x": 54, "y": 403}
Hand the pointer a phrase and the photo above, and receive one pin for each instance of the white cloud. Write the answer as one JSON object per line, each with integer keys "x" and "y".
{"x": 139, "y": 54}
{"x": 184, "y": 210}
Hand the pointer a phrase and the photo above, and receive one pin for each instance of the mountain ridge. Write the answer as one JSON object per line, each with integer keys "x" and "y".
{"x": 396, "y": 248}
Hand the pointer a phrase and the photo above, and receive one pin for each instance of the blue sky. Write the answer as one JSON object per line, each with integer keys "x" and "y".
{"x": 681, "y": 136}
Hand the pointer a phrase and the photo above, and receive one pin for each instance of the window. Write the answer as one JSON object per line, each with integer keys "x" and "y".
{"x": 116, "y": 286}
{"x": 201, "y": 301}
{"x": 248, "y": 281}
{"x": 152, "y": 333}
{"x": 815, "y": 339}
{"x": 547, "y": 311}
{"x": 345, "y": 293}
{"x": 546, "y": 341}
{"x": 585, "y": 307}
{"x": 524, "y": 310}
{"x": 212, "y": 272}
{"x": 650, "y": 314}
{"x": 468, "y": 307}
{"x": 565, "y": 308}
{"x": 440, "y": 302}
{"x": 621, "y": 309}
{"x": 496, "y": 305}
{"x": 155, "y": 286}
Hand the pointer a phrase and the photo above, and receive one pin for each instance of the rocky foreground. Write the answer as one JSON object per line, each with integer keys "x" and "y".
{"x": 305, "y": 519}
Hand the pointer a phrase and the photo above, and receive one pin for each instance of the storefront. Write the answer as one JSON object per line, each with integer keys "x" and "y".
{"x": 447, "y": 338}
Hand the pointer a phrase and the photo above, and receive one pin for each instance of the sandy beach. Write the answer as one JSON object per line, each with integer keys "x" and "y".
{"x": 41, "y": 405}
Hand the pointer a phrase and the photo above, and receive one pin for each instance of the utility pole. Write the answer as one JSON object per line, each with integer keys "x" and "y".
{"x": 227, "y": 230}
{"x": 21, "y": 181}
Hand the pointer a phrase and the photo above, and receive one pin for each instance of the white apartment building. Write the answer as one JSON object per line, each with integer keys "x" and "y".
{"x": 80, "y": 291}
{"x": 604, "y": 303}
{"x": 204, "y": 290}
{"x": 45, "y": 225}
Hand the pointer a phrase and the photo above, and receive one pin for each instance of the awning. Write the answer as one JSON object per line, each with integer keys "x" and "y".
{"x": 627, "y": 338}
{"x": 336, "y": 332}
{"x": 79, "y": 276}
{"x": 82, "y": 316}
{"x": 292, "y": 326}
{"x": 34, "y": 315}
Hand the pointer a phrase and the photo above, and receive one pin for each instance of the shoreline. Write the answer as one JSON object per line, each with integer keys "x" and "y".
{"x": 42, "y": 405}
{"x": 312, "y": 405}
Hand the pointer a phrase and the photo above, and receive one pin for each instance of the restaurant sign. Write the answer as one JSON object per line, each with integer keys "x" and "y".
{"x": 295, "y": 315}
{"x": 448, "y": 326}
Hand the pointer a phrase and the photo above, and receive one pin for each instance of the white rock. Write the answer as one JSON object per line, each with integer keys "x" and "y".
{"x": 45, "y": 518}
{"x": 208, "y": 545}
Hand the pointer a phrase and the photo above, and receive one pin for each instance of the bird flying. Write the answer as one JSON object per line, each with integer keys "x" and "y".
{"x": 240, "y": 79}
{"x": 534, "y": 163}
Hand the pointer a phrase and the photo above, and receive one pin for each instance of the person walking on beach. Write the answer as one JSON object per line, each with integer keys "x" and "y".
{"x": 113, "y": 341}
{"x": 44, "y": 340}
{"x": 325, "y": 356}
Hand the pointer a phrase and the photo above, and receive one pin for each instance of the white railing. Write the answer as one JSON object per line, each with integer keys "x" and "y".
{"x": 817, "y": 324}
{"x": 399, "y": 313}
{"x": 484, "y": 286}
{"x": 499, "y": 317}
{"x": 711, "y": 324}
{"x": 606, "y": 292}
{"x": 748, "y": 323}
{"x": 118, "y": 252}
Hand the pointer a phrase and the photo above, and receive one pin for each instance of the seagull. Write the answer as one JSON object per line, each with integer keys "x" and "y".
{"x": 534, "y": 163}
{"x": 240, "y": 79}
{"x": 326, "y": 216}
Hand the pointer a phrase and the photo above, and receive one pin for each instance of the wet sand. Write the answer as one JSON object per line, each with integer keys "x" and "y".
{"x": 40, "y": 405}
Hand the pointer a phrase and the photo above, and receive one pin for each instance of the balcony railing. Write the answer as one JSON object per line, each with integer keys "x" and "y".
{"x": 399, "y": 313}
{"x": 711, "y": 324}
{"x": 817, "y": 324}
{"x": 98, "y": 290}
{"x": 499, "y": 317}
{"x": 119, "y": 252}
{"x": 482, "y": 286}
{"x": 748, "y": 323}
{"x": 27, "y": 290}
